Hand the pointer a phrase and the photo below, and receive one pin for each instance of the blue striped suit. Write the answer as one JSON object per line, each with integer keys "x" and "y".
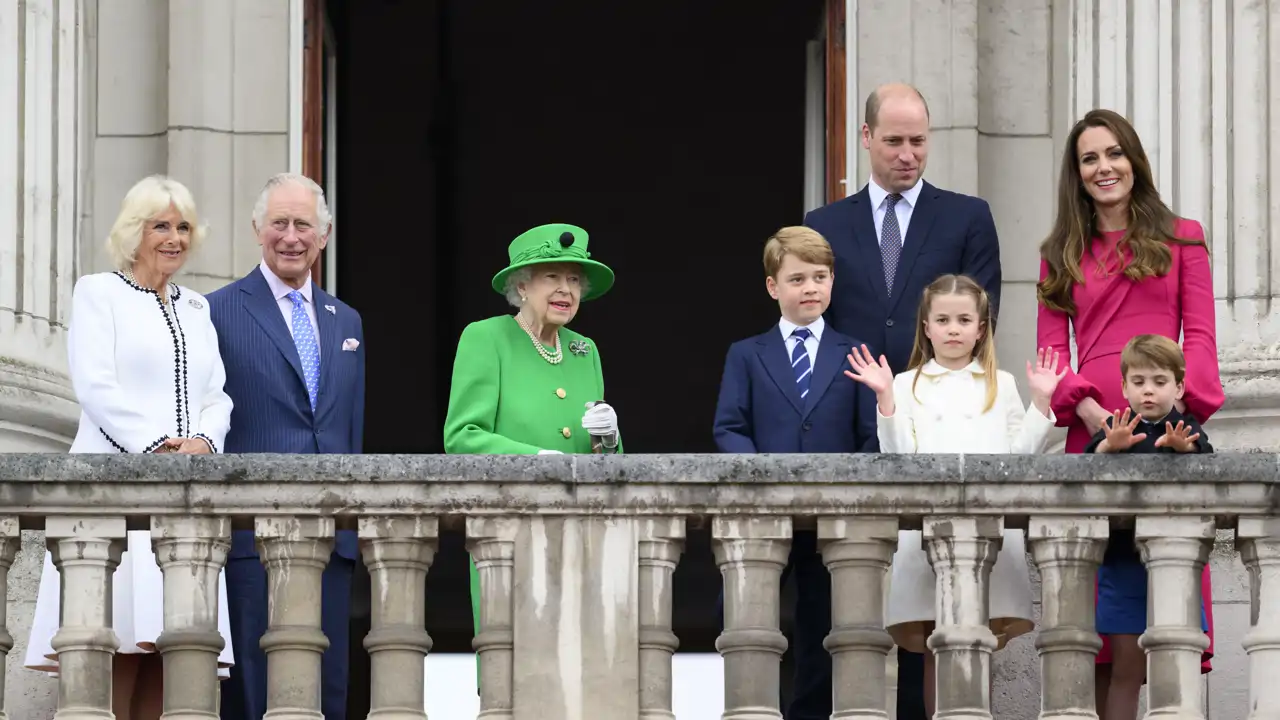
{"x": 273, "y": 415}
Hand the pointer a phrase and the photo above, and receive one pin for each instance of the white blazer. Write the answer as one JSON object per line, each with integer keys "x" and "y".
{"x": 144, "y": 372}
{"x": 944, "y": 414}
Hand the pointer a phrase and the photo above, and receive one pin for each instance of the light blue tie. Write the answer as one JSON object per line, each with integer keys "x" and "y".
{"x": 800, "y": 361}
{"x": 304, "y": 338}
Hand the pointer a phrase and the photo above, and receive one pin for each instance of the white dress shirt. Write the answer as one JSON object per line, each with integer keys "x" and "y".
{"x": 280, "y": 291}
{"x": 880, "y": 202}
{"x": 810, "y": 345}
{"x": 143, "y": 373}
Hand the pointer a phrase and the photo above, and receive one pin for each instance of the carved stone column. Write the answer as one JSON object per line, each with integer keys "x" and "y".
{"x": 191, "y": 552}
{"x": 1067, "y": 551}
{"x": 858, "y": 551}
{"x": 398, "y": 552}
{"x": 40, "y": 84}
{"x": 962, "y": 551}
{"x": 1258, "y": 539}
{"x": 661, "y": 541}
{"x": 10, "y": 539}
{"x": 491, "y": 542}
{"x": 295, "y": 551}
{"x": 751, "y": 553}
{"x": 86, "y": 551}
{"x": 1175, "y": 550}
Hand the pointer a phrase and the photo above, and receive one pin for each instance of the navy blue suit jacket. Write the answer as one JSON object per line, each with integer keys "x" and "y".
{"x": 264, "y": 379}
{"x": 760, "y": 410}
{"x": 949, "y": 233}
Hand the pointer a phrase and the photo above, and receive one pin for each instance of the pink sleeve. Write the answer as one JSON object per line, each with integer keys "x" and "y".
{"x": 1204, "y": 394}
{"x": 1053, "y": 330}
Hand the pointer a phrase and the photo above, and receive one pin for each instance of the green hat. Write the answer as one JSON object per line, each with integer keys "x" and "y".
{"x": 555, "y": 243}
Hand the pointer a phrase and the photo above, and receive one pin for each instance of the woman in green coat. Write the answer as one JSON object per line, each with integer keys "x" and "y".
{"x": 526, "y": 384}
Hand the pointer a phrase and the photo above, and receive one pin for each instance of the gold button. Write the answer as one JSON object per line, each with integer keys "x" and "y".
{"x": 565, "y": 432}
{"x": 560, "y": 393}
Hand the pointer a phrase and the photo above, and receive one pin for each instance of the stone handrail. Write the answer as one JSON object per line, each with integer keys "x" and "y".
{"x": 590, "y": 537}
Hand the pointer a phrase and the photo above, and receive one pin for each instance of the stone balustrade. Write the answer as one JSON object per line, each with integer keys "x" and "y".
{"x": 576, "y": 554}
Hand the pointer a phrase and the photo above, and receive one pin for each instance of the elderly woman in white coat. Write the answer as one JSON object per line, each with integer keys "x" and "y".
{"x": 146, "y": 371}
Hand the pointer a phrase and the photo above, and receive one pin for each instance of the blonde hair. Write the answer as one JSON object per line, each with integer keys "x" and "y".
{"x": 1156, "y": 352}
{"x": 985, "y": 349}
{"x": 805, "y": 243}
{"x": 148, "y": 198}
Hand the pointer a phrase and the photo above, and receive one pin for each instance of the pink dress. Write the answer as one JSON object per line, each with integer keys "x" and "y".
{"x": 1110, "y": 310}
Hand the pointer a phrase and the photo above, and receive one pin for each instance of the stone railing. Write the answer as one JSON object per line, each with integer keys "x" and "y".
{"x": 576, "y": 554}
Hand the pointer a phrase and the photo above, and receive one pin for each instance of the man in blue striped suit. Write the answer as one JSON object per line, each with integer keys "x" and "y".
{"x": 295, "y": 369}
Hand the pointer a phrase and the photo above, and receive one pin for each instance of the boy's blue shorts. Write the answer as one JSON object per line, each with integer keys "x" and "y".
{"x": 1122, "y": 595}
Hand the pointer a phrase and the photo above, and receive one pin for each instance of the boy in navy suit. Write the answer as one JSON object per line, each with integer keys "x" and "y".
{"x": 783, "y": 392}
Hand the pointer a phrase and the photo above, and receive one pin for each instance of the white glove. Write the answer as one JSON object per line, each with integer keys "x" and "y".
{"x": 550, "y": 452}
{"x": 601, "y": 421}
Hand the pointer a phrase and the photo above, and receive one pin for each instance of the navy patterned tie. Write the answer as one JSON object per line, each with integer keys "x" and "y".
{"x": 890, "y": 241}
{"x": 800, "y": 362}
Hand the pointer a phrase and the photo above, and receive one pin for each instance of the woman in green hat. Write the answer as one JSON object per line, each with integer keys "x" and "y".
{"x": 527, "y": 384}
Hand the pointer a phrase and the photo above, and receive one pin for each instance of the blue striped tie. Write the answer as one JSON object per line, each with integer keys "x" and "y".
{"x": 800, "y": 361}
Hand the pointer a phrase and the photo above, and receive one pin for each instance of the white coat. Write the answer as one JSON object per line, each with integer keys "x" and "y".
{"x": 944, "y": 414}
{"x": 143, "y": 372}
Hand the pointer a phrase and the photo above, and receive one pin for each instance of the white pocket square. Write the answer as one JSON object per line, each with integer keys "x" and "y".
{"x": 350, "y": 344}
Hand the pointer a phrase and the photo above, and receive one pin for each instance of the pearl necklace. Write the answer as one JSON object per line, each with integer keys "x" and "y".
{"x": 552, "y": 357}
{"x": 164, "y": 296}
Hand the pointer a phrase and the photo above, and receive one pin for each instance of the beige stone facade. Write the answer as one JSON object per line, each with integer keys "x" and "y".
{"x": 95, "y": 94}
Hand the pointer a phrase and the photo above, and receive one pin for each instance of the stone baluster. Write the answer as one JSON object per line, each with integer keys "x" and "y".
{"x": 1067, "y": 550}
{"x": 398, "y": 552}
{"x": 751, "y": 553}
{"x": 1175, "y": 550}
{"x": 1258, "y": 539}
{"x": 86, "y": 551}
{"x": 295, "y": 551}
{"x": 962, "y": 551}
{"x": 491, "y": 542}
{"x": 858, "y": 552}
{"x": 661, "y": 542}
{"x": 191, "y": 552}
{"x": 10, "y": 539}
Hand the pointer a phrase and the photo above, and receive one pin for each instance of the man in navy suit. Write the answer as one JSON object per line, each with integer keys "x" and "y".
{"x": 891, "y": 239}
{"x": 785, "y": 392}
{"x": 295, "y": 369}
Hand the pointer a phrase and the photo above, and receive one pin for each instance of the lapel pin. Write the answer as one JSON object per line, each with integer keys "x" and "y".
{"x": 195, "y": 303}
{"x": 332, "y": 310}
{"x": 579, "y": 347}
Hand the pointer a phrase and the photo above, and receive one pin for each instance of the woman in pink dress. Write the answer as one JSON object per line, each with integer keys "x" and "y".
{"x": 1120, "y": 263}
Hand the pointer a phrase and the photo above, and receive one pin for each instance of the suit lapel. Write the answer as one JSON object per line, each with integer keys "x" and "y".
{"x": 328, "y": 322}
{"x": 266, "y": 312}
{"x": 865, "y": 239}
{"x": 832, "y": 351}
{"x": 922, "y": 216}
{"x": 773, "y": 353}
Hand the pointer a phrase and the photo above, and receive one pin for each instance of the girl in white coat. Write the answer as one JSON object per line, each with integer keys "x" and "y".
{"x": 953, "y": 399}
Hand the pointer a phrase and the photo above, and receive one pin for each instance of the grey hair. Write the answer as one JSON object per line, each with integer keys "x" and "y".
{"x": 524, "y": 276}
{"x": 323, "y": 219}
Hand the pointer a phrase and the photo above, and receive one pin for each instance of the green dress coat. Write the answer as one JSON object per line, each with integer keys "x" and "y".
{"x": 507, "y": 400}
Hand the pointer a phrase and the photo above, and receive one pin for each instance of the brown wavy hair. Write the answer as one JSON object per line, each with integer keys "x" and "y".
{"x": 984, "y": 351}
{"x": 1150, "y": 228}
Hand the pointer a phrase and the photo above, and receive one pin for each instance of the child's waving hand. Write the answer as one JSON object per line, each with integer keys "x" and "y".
{"x": 875, "y": 375}
{"x": 1043, "y": 378}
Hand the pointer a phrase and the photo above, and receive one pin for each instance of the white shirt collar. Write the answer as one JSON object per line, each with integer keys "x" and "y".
{"x": 933, "y": 369}
{"x": 879, "y": 194}
{"x": 816, "y": 327}
{"x": 279, "y": 290}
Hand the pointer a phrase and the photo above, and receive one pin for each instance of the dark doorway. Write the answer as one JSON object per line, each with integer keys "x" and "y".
{"x": 672, "y": 130}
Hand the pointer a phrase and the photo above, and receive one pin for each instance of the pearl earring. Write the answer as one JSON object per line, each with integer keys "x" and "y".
{"x": 523, "y": 298}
